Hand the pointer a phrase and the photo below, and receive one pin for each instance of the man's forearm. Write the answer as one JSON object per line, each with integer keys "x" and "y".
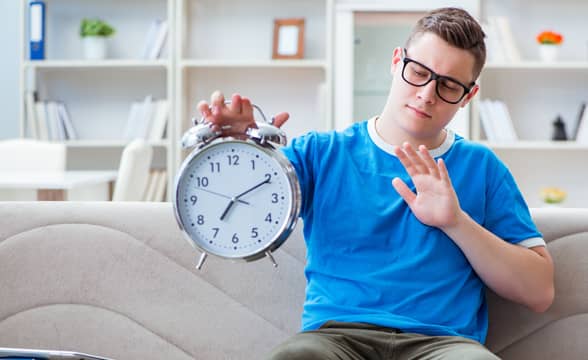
{"x": 514, "y": 272}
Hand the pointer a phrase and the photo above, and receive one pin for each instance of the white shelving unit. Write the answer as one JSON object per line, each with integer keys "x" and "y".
{"x": 226, "y": 45}
{"x": 536, "y": 92}
{"x": 99, "y": 93}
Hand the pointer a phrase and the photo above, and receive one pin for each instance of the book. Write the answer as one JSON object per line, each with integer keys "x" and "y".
{"x": 579, "y": 117}
{"x": 70, "y": 132}
{"x": 494, "y": 50}
{"x": 149, "y": 188}
{"x": 139, "y": 119}
{"x": 150, "y": 38}
{"x": 487, "y": 120}
{"x": 31, "y": 126}
{"x": 155, "y": 39}
{"x": 41, "y": 116}
{"x": 507, "y": 40}
{"x": 56, "y": 129}
{"x": 159, "y": 120}
{"x": 500, "y": 42}
{"x": 460, "y": 122}
{"x": 37, "y": 30}
{"x": 507, "y": 131}
{"x": 159, "y": 41}
{"x": 582, "y": 134}
{"x": 159, "y": 192}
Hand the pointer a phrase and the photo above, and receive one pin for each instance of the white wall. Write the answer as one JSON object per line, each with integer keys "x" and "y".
{"x": 9, "y": 92}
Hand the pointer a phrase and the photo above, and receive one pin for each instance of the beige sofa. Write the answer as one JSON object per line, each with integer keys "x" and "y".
{"x": 118, "y": 280}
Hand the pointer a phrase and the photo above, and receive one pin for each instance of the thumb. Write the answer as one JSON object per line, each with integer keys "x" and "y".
{"x": 281, "y": 118}
{"x": 404, "y": 191}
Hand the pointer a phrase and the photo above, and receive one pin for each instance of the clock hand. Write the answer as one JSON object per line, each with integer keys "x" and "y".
{"x": 227, "y": 208}
{"x": 222, "y": 195}
{"x": 266, "y": 181}
{"x": 236, "y": 198}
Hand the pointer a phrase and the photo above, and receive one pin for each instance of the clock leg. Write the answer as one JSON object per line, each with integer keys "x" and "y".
{"x": 201, "y": 260}
{"x": 271, "y": 258}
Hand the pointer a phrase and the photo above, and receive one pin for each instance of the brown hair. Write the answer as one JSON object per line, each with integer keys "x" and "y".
{"x": 458, "y": 28}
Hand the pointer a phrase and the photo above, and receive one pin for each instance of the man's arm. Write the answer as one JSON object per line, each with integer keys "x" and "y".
{"x": 520, "y": 274}
{"x": 514, "y": 272}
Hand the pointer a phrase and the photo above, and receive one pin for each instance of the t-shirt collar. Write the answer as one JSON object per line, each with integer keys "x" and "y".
{"x": 436, "y": 152}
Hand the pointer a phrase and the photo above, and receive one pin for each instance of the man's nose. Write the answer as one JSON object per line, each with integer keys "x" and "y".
{"x": 428, "y": 93}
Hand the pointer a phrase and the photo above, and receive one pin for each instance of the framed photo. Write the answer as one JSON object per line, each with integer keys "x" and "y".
{"x": 288, "y": 39}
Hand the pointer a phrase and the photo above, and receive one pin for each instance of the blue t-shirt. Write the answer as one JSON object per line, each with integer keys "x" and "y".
{"x": 370, "y": 260}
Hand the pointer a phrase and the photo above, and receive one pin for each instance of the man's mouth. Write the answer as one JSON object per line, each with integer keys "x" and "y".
{"x": 419, "y": 112}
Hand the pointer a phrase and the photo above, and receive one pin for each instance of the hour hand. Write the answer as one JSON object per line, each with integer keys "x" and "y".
{"x": 227, "y": 208}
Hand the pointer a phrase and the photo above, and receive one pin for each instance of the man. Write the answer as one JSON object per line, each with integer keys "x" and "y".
{"x": 397, "y": 270}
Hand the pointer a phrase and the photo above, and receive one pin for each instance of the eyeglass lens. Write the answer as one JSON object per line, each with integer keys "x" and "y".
{"x": 447, "y": 89}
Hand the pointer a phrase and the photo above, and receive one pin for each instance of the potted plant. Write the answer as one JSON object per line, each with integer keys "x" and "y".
{"x": 549, "y": 42}
{"x": 94, "y": 33}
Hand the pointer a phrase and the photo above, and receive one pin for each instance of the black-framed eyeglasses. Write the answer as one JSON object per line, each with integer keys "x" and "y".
{"x": 448, "y": 89}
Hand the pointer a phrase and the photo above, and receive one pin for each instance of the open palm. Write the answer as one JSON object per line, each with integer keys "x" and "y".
{"x": 435, "y": 202}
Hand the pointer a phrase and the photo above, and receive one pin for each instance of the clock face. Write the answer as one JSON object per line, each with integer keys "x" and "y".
{"x": 234, "y": 199}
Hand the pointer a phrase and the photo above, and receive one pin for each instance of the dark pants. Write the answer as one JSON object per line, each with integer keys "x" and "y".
{"x": 342, "y": 341}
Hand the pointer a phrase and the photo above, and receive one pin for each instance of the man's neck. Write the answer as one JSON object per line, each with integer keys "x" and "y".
{"x": 392, "y": 135}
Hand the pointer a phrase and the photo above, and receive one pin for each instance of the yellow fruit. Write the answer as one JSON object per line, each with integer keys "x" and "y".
{"x": 553, "y": 195}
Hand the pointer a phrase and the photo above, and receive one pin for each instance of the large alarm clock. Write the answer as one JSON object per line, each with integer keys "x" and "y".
{"x": 236, "y": 197}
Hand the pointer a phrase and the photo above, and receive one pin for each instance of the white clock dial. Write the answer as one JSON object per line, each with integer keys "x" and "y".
{"x": 234, "y": 199}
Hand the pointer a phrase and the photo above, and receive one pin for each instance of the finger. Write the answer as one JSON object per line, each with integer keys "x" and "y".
{"x": 236, "y": 103}
{"x": 417, "y": 162}
{"x": 246, "y": 107}
{"x": 280, "y": 119}
{"x": 429, "y": 161}
{"x": 405, "y": 161}
{"x": 217, "y": 99}
{"x": 404, "y": 191}
{"x": 204, "y": 109}
{"x": 443, "y": 171}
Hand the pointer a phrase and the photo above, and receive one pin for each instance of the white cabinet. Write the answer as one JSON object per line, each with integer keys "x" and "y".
{"x": 226, "y": 45}
{"x": 536, "y": 92}
{"x": 98, "y": 93}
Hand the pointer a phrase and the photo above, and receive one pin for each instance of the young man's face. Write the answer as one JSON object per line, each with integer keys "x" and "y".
{"x": 419, "y": 111}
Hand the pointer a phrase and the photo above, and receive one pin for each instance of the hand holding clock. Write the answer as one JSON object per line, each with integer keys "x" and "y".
{"x": 233, "y": 118}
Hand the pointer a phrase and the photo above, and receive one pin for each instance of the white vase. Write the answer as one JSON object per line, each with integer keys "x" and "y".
{"x": 548, "y": 52}
{"x": 94, "y": 47}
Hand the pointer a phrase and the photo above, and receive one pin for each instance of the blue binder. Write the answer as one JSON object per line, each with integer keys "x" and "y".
{"x": 37, "y": 30}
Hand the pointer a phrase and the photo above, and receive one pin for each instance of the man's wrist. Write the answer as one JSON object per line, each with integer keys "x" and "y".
{"x": 460, "y": 219}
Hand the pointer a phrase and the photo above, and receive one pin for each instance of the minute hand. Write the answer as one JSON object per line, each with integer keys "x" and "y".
{"x": 266, "y": 181}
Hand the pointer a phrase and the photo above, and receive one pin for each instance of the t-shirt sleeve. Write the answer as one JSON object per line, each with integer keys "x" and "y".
{"x": 301, "y": 152}
{"x": 507, "y": 214}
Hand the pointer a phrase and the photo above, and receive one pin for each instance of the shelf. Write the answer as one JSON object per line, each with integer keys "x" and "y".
{"x": 538, "y": 65}
{"x": 109, "y": 143}
{"x": 304, "y": 63}
{"x": 537, "y": 145}
{"x": 90, "y": 64}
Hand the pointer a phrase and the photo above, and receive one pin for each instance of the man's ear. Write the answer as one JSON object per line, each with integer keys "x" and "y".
{"x": 470, "y": 95}
{"x": 396, "y": 59}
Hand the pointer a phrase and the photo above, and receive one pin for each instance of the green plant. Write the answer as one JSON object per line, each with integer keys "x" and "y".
{"x": 95, "y": 27}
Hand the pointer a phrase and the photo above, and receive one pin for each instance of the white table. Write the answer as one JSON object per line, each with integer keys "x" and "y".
{"x": 55, "y": 186}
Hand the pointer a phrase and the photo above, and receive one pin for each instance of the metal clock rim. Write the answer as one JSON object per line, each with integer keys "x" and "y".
{"x": 284, "y": 231}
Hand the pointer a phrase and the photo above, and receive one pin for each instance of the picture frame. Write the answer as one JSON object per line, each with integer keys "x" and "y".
{"x": 288, "y": 39}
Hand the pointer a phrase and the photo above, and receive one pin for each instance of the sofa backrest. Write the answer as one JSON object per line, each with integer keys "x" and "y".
{"x": 560, "y": 333}
{"x": 119, "y": 280}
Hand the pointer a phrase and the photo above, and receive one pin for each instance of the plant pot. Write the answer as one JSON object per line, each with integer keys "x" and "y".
{"x": 548, "y": 52}
{"x": 94, "y": 47}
